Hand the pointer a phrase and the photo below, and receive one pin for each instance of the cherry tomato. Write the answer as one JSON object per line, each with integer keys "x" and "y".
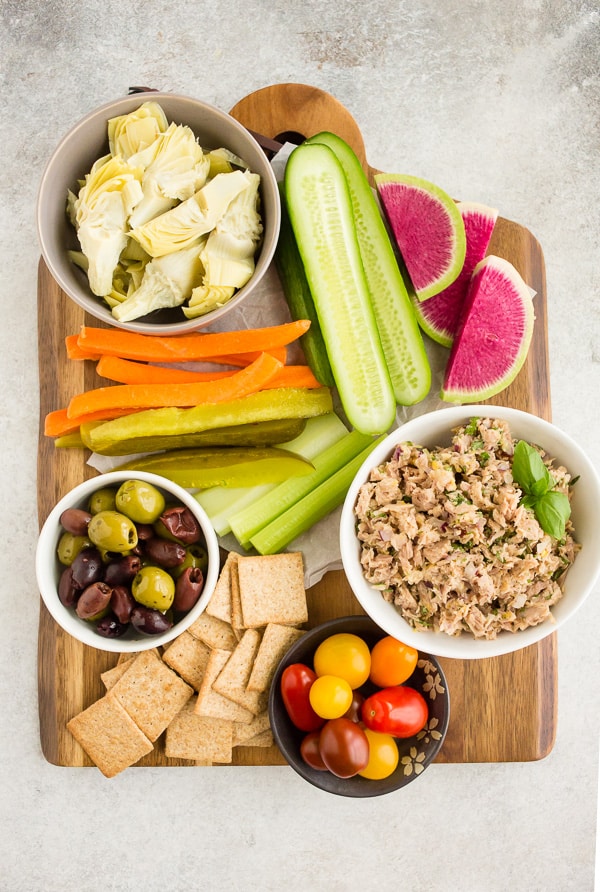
{"x": 310, "y": 752}
{"x": 296, "y": 682}
{"x": 344, "y": 655}
{"x": 400, "y": 711}
{"x": 383, "y": 755}
{"x": 353, "y": 711}
{"x": 344, "y": 747}
{"x": 330, "y": 696}
{"x": 392, "y": 662}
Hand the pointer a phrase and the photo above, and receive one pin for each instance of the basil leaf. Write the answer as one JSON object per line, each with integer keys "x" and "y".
{"x": 529, "y": 470}
{"x": 552, "y": 511}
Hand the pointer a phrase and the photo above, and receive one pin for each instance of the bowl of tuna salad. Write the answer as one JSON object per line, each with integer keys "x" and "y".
{"x": 472, "y": 531}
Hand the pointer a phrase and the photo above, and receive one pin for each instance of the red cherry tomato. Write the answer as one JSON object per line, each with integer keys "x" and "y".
{"x": 344, "y": 747}
{"x": 309, "y": 750}
{"x": 296, "y": 682}
{"x": 400, "y": 711}
{"x": 353, "y": 711}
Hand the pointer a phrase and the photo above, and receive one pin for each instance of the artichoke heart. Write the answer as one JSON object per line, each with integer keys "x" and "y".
{"x": 109, "y": 193}
{"x": 133, "y": 132}
{"x": 175, "y": 168}
{"x": 167, "y": 282}
{"x": 194, "y": 217}
{"x": 206, "y": 298}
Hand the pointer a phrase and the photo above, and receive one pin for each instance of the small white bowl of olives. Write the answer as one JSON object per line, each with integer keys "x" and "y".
{"x": 126, "y": 562}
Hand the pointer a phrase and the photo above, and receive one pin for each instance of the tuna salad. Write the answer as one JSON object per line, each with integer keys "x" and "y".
{"x": 446, "y": 538}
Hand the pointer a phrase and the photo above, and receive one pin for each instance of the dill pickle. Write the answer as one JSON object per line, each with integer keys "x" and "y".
{"x": 258, "y": 433}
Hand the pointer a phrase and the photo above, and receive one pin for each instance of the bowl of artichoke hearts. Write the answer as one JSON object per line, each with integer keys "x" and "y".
{"x": 158, "y": 213}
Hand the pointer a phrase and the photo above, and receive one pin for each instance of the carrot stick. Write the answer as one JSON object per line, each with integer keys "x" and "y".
{"x": 149, "y": 396}
{"x": 74, "y": 351}
{"x": 57, "y": 423}
{"x": 189, "y": 347}
{"x": 125, "y": 371}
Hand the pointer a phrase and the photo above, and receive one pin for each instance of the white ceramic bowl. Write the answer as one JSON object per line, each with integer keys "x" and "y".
{"x": 434, "y": 429}
{"x": 86, "y": 142}
{"x": 48, "y": 569}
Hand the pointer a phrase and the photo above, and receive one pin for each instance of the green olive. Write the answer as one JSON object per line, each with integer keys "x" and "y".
{"x": 102, "y": 500}
{"x": 153, "y": 587}
{"x": 112, "y": 531}
{"x": 69, "y": 547}
{"x": 196, "y": 556}
{"x": 140, "y": 501}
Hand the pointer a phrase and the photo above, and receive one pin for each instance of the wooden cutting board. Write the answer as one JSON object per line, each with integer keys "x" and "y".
{"x": 502, "y": 709}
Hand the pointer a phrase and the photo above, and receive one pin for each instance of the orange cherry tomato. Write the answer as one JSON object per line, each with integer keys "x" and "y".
{"x": 330, "y": 697}
{"x": 383, "y": 755}
{"x": 344, "y": 655}
{"x": 392, "y": 662}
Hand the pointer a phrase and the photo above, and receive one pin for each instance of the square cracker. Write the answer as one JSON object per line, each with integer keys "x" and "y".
{"x": 213, "y": 632}
{"x": 258, "y": 724}
{"x": 237, "y": 620}
{"x": 233, "y": 678}
{"x": 220, "y": 600}
{"x": 188, "y": 657}
{"x": 265, "y": 738}
{"x": 109, "y": 736}
{"x": 272, "y": 589}
{"x": 111, "y": 676}
{"x": 151, "y": 693}
{"x": 276, "y": 641}
{"x": 199, "y": 738}
{"x": 212, "y": 704}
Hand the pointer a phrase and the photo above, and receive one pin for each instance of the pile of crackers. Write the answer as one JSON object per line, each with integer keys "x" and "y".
{"x": 208, "y": 690}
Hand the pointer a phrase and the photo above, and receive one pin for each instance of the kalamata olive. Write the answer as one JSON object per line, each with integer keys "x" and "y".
{"x": 153, "y": 587}
{"x": 67, "y": 591}
{"x": 144, "y": 531}
{"x": 164, "y": 553}
{"x": 180, "y": 523}
{"x": 140, "y": 501}
{"x": 122, "y": 570}
{"x": 110, "y": 627}
{"x": 112, "y": 531}
{"x": 94, "y": 601}
{"x": 122, "y": 603}
{"x": 69, "y": 546}
{"x": 188, "y": 589}
{"x": 75, "y": 520}
{"x": 87, "y": 568}
{"x": 149, "y": 621}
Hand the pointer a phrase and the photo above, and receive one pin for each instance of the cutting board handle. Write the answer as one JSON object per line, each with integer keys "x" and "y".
{"x": 292, "y": 112}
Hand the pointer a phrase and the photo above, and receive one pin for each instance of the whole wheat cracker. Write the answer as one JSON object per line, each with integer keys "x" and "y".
{"x": 272, "y": 589}
{"x": 231, "y": 681}
{"x": 258, "y": 724}
{"x": 109, "y": 735}
{"x": 152, "y": 693}
{"x": 275, "y": 643}
{"x": 188, "y": 656}
{"x": 265, "y": 738}
{"x": 199, "y": 738}
{"x": 219, "y": 604}
{"x": 213, "y": 632}
{"x": 237, "y": 620}
{"x": 210, "y": 702}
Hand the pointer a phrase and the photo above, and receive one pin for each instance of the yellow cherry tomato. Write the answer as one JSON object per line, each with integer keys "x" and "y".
{"x": 346, "y": 656}
{"x": 330, "y": 697}
{"x": 383, "y": 755}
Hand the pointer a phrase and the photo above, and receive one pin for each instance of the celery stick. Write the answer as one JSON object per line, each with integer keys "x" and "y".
{"x": 263, "y": 512}
{"x": 316, "y": 505}
{"x": 220, "y": 503}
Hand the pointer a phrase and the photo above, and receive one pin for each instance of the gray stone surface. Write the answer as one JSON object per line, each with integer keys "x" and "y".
{"x": 498, "y": 103}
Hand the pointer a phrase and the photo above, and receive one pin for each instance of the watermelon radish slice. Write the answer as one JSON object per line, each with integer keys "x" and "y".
{"x": 438, "y": 316}
{"x": 493, "y": 336}
{"x": 428, "y": 230}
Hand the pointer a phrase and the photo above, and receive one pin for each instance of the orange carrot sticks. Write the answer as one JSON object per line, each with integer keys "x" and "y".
{"x": 58, "y": 423}
{"x": 189, "y": 347}
{"x": 74, "y": 351}
{"x": 146, "y": 396}
{"x": 126, "y": 371}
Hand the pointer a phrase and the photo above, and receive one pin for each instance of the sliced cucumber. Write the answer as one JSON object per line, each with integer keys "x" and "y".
{"x": 299, "y": 299}
{"x": 321, "y": 214}
{"x": 399, "y": 331}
